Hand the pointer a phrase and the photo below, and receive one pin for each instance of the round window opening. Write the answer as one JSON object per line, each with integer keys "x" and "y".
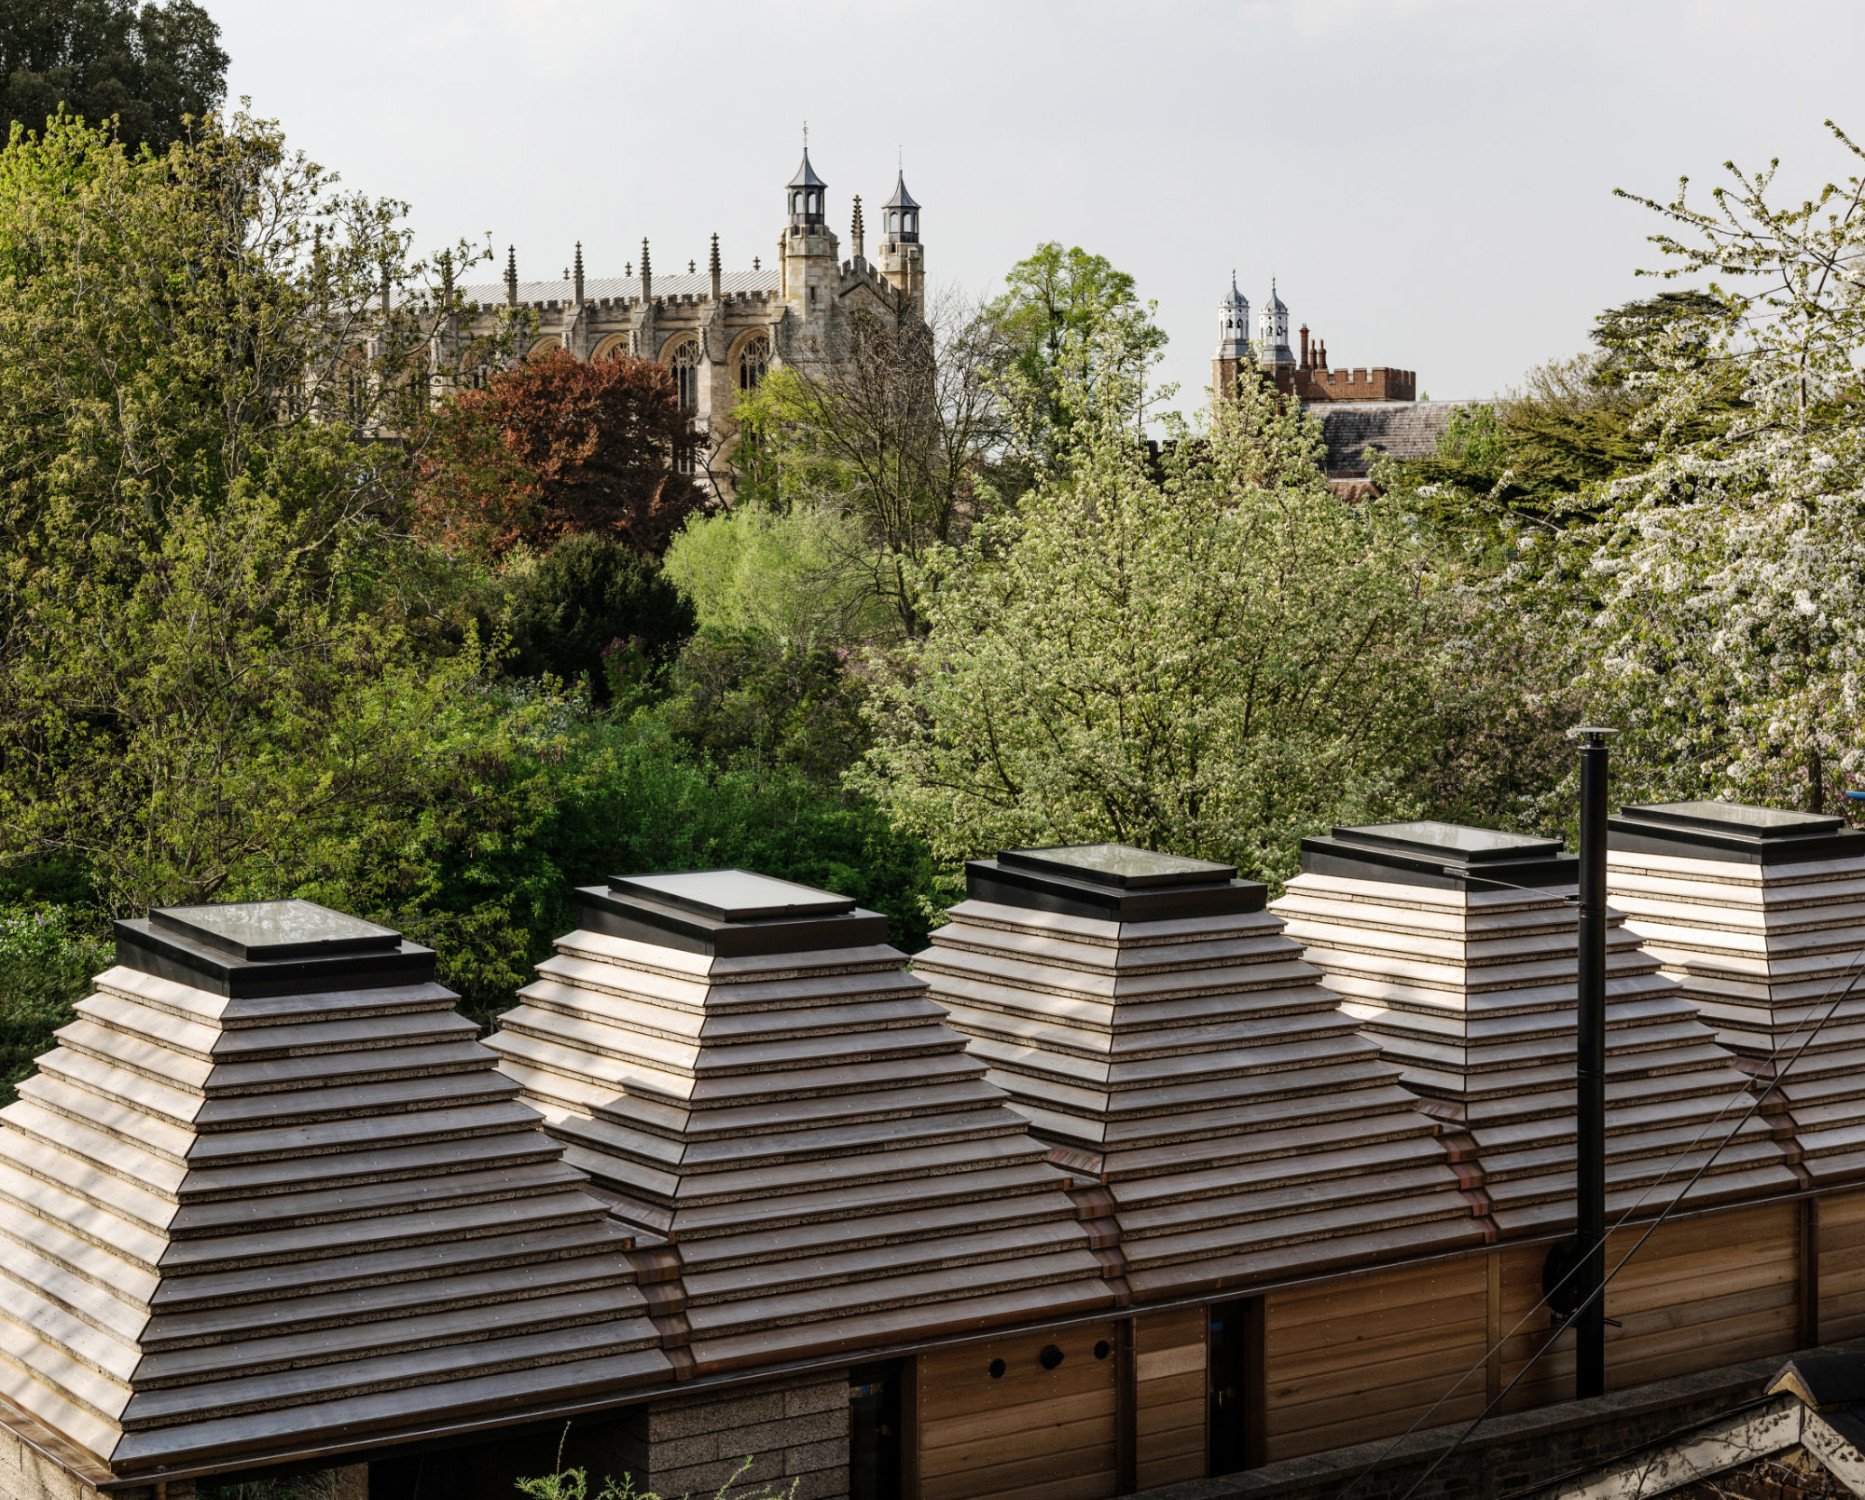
{"x": 996, "y": 1368}
{"x": 1103, "y": 1349}
{"x": 1050, "y": 1357}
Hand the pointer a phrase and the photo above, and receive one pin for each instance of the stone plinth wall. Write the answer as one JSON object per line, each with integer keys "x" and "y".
{"x": 25, "y": 1474}
{"x": 795, "y": 1431}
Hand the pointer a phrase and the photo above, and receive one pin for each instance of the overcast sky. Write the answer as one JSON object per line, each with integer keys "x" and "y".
{"x": 1430, "y": 181}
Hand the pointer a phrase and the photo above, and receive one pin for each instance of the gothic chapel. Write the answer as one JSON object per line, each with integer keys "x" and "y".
{"x": 720, "y": 331}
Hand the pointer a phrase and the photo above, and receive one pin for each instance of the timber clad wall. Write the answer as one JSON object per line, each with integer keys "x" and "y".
{"x": 1171, "y": 1396}
{"x": 1842, "y": 1267}
{"x": 1703, "y": 1292}
{"x": 1364, "y": 1357}
{"x": 1030, "y": 1432}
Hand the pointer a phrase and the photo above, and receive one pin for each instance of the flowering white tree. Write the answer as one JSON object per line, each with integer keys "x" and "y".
{"x": 1211, "y": 655}
{"x": 1720, "y": 605}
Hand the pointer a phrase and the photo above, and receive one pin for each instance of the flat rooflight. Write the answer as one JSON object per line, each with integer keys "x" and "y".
{"x": 732, "y": 895}
{"x": 275, "y": 929}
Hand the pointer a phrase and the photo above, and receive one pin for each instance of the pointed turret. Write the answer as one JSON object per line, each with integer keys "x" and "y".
{"x": 1233, "y": 324}
{"x": 1233, "y": 353}
{"x": 902, "y": 256}
{"x": 808, "y": 195}
{"x": 811, "y": 264}
{"x": 578, "y": 291}
{"x": 1272, "y": 334}
{"x": 511, "y": 275}
{"x": 857, "y": 231}
{"x": 713, "y": 266}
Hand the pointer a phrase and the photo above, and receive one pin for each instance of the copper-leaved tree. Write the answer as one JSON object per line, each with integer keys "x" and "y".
{"x": 559, "y": 446}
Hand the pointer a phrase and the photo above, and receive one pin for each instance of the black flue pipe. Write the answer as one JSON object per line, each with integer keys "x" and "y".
{"x": 1590, "y": 1075}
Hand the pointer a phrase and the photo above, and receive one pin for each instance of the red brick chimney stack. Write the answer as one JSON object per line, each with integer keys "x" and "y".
{"x": 1304, "y": 346}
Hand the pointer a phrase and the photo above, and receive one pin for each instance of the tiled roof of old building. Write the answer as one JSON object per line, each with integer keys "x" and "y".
{"x": 1354, "y": 430}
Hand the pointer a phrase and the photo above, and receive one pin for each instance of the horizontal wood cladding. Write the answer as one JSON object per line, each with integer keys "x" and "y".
{"x": 1365, "y": 1357}
{"x": 1031, "y": 1432}
{"x": 1842, "y": 1267}
{"x": 1171, "y": 1386}
{"x": 1702, "y": 1292}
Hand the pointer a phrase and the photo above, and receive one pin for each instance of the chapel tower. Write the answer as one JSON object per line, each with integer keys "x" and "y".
{"x": 808, "y": 252}
{"x": 902, "y": 261}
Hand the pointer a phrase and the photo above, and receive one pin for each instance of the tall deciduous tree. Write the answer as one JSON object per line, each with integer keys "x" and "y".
{"x": 1213, "y": 662}
{"x": 1721, "y": 611}
{"x": 102, "y": 59}
{"x": 1065, "y": 318}
{"x": 558, "y": 446}
{"x": 899, "y": 438}
{"x": 208, "y": 621}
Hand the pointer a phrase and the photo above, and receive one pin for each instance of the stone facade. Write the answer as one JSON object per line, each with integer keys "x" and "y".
{"x": 27, "y": 1474}
{"x": 794, "y": 1431}
{"x": 720, "y": 331}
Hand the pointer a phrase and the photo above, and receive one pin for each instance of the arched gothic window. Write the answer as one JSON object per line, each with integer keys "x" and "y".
{"x": 909, "y": 224}
{"x": 754, "y": 362}
{"x": 812, "y": 203}
{"x": 684, "y": 362}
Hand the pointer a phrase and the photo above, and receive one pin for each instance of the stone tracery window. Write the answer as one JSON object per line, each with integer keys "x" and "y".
{"x": 684, "y": 362}
{"x": 754, "y": 362}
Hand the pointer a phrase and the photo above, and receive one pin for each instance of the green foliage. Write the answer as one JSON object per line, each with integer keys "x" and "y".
{"x": 1068, "y": 318}
{"x": 1213, "y": 662}
{"x": 749, "y": 698}
{"x": 1539, "y": 456}
{"x": 321, "y": 1485}
{"x": 573, "y": 1484}
{"x": 105, "y": 59}
{"x": 779, "y": 595}
{"x": 594, "y": 610}
{"x": 47, "y": 958}
{"x": 795, "y": 576}
{"x": 896, "y": 442}
{"x": 1721, "y": 602}
{"x": 634, "y": 799}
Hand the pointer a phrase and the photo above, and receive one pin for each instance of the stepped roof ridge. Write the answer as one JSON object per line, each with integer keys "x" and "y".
{"x": 1472, "y": 993}
{"x": 1755, "y": 913}
{"x": 826, "y": 1165}
{"x": 270, "y": 1191}
{"x": 1240, "y": 1125}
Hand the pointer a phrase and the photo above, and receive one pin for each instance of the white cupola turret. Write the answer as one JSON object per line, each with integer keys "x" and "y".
{"x": 1233, "y": 324}
{"x": 1272, "y": 332}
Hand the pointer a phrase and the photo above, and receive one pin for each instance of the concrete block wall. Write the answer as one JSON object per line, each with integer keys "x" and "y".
{"x": 794, "y": 1431}
{"x": 26, "y": 1474}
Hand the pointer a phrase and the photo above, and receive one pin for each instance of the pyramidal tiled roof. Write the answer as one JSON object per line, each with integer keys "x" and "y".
{"x": 1454, "y": 948}
{"x": 748, "y": 1070}
{"x": 1162, "y": 1033}
{"x": 1760, "y": 916}
{"x": 270, "y": 1194}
